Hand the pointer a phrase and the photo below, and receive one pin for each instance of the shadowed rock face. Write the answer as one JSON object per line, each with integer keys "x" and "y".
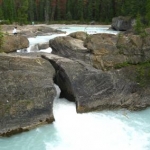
{"x": 26, "y": 93}
{"x": 70, "y": 48}
{"x": 94, "y": 89}
{"x": 122, "y": 23}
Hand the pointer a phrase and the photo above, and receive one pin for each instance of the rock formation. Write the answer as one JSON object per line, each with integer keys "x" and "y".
{"x": 79, "y": 35}
{"x": 26, "y": 93}
{"x": 122, "y": 23}
{"x": 118, "y": 80}
{"x": 70, "y": 48}
{"x": 104, "y": 51}
{"x": 11, "y": 43}
{"x": 93, "y": 89}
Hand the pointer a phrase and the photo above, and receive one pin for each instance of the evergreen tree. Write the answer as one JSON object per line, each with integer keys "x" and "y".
{"x": 90, "y": 10}
{"x": 22, "y": 11}
{"x": 138, "y": 28}
{"x": 58, "y": 10}
{"x": 1, "y": 13}
{"x": 80, "y": 10}
{"x": 31, "y": 11}
{"x": 47, "y": 11}
{"x": 148, "y": 12}
{"x": 68, "y": 16}
{"x": 69, "y": 10}
{"x": 1, "y": 39}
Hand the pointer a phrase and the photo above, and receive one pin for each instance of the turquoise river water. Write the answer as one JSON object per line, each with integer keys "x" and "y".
{"x": 105, "y": 130}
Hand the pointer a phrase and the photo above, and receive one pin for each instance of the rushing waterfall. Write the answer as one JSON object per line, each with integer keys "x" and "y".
{"x": 106, "y": 130}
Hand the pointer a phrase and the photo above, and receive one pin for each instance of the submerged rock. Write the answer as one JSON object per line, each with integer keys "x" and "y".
{"x": 26, "y": 93}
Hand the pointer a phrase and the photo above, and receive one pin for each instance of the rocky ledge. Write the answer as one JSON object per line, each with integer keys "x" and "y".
{"x": 26, "y": 93}
{"x": 94, "y": 89}
{"x": 105, "y": 71}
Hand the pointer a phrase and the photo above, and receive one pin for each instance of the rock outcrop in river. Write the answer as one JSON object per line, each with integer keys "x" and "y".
{"x": 121, "y": 75}
{"x": 122, "y": 23}
{"x": 104, "y": 51}
{"x": 26, "y": 93}
{"x": 11, "y": 43}
{"x": 94, "y": 89}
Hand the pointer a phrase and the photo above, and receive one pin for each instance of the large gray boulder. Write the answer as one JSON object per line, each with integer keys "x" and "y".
{"x": 79, "y": 35}
{"x": 122, "y": 23}
{"x": 69, "y": 47}
{"x": 26, "y": 93}
{"x": 33, "y": 31}
{"x": 43, "y": 45}
{"x": 11, "y": 43}
{"x": 103, "y": 50}
{"x": 94, "y": 89}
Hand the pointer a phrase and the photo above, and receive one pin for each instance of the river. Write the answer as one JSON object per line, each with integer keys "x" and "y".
{"x": 104, "y": 130}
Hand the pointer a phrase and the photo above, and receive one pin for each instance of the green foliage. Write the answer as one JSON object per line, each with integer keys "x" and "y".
{"x": 1, "y": 39}
{"x": 138, "y": 27}
{"x": 23, "y": 11}
{"x": 5, "y": 22}
{"x": 121, "y": 65}
{"x": 68, "y": 16}
{"x": 148, "y": 12}
{"x": 143, "y": 74}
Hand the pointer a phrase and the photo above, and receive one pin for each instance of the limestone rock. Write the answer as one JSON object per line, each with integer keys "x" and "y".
{"x": 11, "y": 43}
{"x": 43, "y": 45}
{"x": 26, "y": 93}
{"x": 94, "y": 89}
{"x": 122, "y": 23}
{"x": 104, "y": 51}
{"x": 69, "y": 47}
{"x": 39, "y": 31}
{"x": 79, "y": 35}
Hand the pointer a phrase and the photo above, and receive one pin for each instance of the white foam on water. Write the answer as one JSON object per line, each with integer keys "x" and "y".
{"x": 48, "y": 50}
{"x": 106, "y": 130}
{"x": 97, "y": 130}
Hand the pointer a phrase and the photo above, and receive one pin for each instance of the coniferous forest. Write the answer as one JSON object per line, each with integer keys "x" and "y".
{"x": 46, "y": 11}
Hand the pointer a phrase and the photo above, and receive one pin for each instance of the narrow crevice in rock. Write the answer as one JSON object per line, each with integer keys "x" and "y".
{"x": 62, "y": 80}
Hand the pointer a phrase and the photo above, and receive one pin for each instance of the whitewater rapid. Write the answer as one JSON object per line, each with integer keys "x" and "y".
{"x": 105, "y": 130}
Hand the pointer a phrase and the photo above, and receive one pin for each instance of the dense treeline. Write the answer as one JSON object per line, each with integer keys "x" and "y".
{"x": 25, "y": 11}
